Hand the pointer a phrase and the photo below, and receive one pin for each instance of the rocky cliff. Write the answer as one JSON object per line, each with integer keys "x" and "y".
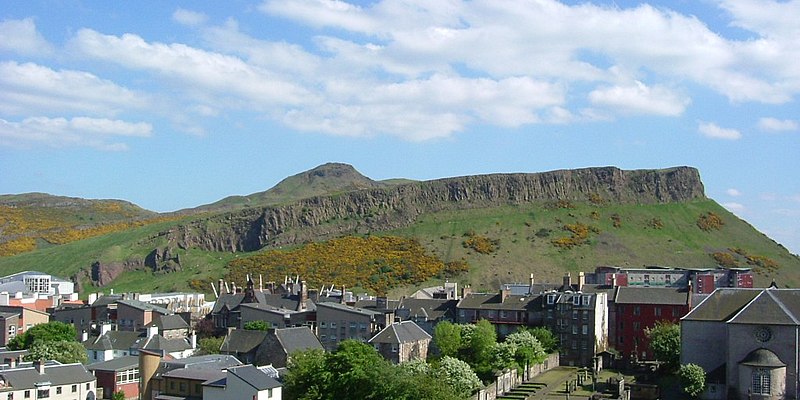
{"x": 384, "y": 208}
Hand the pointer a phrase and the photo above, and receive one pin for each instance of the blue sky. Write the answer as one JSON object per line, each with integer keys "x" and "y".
{"x": 172, "y": 105}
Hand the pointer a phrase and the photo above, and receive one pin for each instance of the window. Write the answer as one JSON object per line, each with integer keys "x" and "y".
{"x": 503, "y": 314}
{"x": 128, "y": 376}
{"x": 576, "y": 300}
{"x": 74, "y": 388}
{"x": 58, "y": 390}
{"x": 182, "y": 387}
{"x": 586, "y": 300}
{"x": 761, "y": 381}
{"x": 636, "y": 326}
{"x": 363, "y": 326}
{"x": 323, "y": 325}
{"x": 394, "y": 348}
{"x": 574, "y": 314}
{"x": 43, "y": 393}
{"x": 585, "y": 329}
{"x": 27, "y": 394}
{"x": 574, "y": 329}
{"x": 658, "y": 311}
{"x": 333, "y": 325}
{"x": 269, "y": 393}
{"x": 637, "y": 310}
{"x": 551, "y": 298}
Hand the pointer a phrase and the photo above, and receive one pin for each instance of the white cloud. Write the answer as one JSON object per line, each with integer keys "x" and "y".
{"x": 733, "y": 192}
{"x": 638, "y": 98}
{"x": 734, "y": 207}
{"x": 31, "y": 89}
{"x": 712, "y": 130}
{"x": 21, "y": 36}
{"x": 777, "y": 125}
{"x": 97, "y": 133}
{"x": 188, "y": 17}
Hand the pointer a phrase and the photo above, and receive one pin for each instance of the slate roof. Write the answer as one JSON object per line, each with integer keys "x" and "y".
{"x": 169, "y": 322}
{"x": 116, "y": 364}
{"x": 195, "y": 374}
{"x": 158, "y": 342}
{"x": 269, "y": 309}
{"x": 242, "y": 341}
{"x": 140, "y": 305}
{"x": 722, "y": 304}
{"x": 372, "y": 304}
{"x": 400, "y": 332}
{"x": 762, "y": 358}
{"x": 432, "y": 309}
{"x": 493, "y": 301}
{"x": 651, "y": 295}
{"x": 233, "y": 300}
{"x": 289, "y": 302}
{"x": 113, "y": 340}
{"x": 55, "y": 373}
{"x": 254, "y": 377}
{"x": 298, "y": 338}
{"x": 209, "y": 361}
{"x": 771, "y": 306}
{"x": 5, "y": 315}
{"x": 356, "y": 310}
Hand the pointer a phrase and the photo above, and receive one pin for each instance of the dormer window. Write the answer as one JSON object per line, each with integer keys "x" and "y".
{"x": 551, "y": 298}
{"x": 576, "y": 300}
{"x": 586, "y": 300}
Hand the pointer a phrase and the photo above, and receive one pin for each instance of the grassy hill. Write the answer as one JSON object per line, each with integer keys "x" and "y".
{"x": 500, "y": 244}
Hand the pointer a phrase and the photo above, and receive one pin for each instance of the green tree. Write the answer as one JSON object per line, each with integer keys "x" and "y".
{"x": 546, "y": 338}
{"x": 447, "y": 337}
{"x": 528, "y": 349}
{"x": 209, "y": 345}
{"x": 50, "y": 332}
{"x": 665, "y": 342}
{"x": 62, "y": 351}
{"x": 458, "y": 375}
{"x": 357, "y": 368}
{"x": 307, "y": 377}
{"x": 118, "y": 395}
{"x": 480, "y": 340}
{"x": 257, "y": 326}
{"x": 693, "y": 379}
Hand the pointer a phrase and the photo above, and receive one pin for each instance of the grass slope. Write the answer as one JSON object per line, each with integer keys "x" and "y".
{"x": 524, "y": 235}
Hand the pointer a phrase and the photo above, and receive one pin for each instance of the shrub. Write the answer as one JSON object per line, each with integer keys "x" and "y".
{"x": 710, "y": 221}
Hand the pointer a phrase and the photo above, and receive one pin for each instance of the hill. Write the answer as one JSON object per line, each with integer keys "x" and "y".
{"x": 503, "y": 226}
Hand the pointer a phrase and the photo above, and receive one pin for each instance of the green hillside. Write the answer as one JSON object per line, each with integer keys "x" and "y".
{"x": 626, "y": 235}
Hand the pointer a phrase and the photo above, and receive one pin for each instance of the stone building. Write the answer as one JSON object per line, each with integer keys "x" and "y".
{"x": 401, "y": 342}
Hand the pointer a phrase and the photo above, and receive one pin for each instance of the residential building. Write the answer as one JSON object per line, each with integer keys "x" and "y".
{"x": 401, "y": 342}
{"x": 110, "y": 344}
{"x": 163, "y": 379}
{"x": 337, "y": 322}
{"x": 171, "y": 326}
{"x": 120, "y": 374}
{"x": 702, "y": 281}
{"x": 747, "y": 342}
{"x": 280, "y": 344}
{"x": 51, "y": 380}
{"x": 244, "y": 382}
{"x": 635, "y": 309}
{"x": 26, "y": 317}
{"x": 133, "y": 315}
{"x": 505, "y": 311}
{"x": 426, "y": 313}
{"x": 9, "y": 323}
{"x": 276, "y": 317}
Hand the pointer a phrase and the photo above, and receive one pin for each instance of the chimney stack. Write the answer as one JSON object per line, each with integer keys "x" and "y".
{"x": 39, "y": 365}
{"x": 567, "y": 281}
{"x": 505, "y": 291}
{"x": 105, "y": 328}
{"x": 301, "y": 306}
{"x": 466, "y": 291}
{"x": 344, "y": 291}
{"x": 581, "y": 281}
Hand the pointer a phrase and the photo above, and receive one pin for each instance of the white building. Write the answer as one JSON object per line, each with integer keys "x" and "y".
{"x": 51, "y": 380}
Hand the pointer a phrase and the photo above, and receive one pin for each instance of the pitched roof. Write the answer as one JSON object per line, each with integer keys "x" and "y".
{"x": 722, "y": 304}
{"x": 768, "y": 308}
{"x": 169, "y": 322}
{"x": 242, "y": 341}
{"x": 254, "y": 377}
{"x": 116, "y": 364}
{"x": 140, "y": 305}
{"x": 298, "y": 338}
{"x": 400, "y": 332}
{"x": 432, "y": 309}
{"x": 55, "y": 373}
{"x": 493, "y": 301}
{"x": 113, "y": 340}
{"x": 158, "y": 342}
{"x": 356, "y": 310}
{"x": 651, "y": 295}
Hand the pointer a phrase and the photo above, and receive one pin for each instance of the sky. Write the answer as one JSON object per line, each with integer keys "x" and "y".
{"x": 172, "y": 105}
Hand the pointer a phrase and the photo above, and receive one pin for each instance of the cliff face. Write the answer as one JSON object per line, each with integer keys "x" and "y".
{"x": 378, "y": 209}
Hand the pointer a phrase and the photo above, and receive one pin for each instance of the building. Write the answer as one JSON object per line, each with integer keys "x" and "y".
{"x": 110, "y": 344}
{"x": 401, "y": 342}
{"x": 9, "y": 324}
{"x": 634, "y": 309}
{"x": 118, "y": 375}
{"x": 163, "y": 379}
{"x": 171, "y": 326}
{"x": 505, "y": 311}
{"x": 50, "y": 379}
{"x": 702, "y": 281}
{"x": 244, "y": 382}
{"x": 747, "y": 342}
{"x": 280, "y": 344}
{"x": 426, "y": 313}
{"x": 25, "y": 318}
{"x": 134, "y": 314}
{"x": 276, "y": 317}
{"x": 337, "y": 322}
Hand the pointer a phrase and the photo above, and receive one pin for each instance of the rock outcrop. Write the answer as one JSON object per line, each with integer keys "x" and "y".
{"x": 384, "y": 208}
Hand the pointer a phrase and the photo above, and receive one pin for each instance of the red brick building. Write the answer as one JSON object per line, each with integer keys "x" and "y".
{"x": 118, "y": 375}
{"x": 634, "y": 309}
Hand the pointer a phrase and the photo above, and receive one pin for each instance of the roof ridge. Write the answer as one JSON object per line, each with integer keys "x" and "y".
{"x": 741, "y": 310}
{"x": 782, "y": 306}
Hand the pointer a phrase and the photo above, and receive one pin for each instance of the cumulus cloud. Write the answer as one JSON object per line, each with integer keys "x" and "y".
{"x": 21, "y": 36}
{"x": 32, "y": 89}
{"x": 733, "y": 192}
{"x": 97, "y": 133}
{"x": 777, "y": 125}
{"x": 712, "y": 130}
{"x": 188, "y": 17}
{"x": 638, "y": 98}
{"x": 734, "y": 207}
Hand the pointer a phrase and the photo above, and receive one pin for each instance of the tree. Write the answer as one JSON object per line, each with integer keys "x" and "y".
{"x": 528, "y": 349}
{"x": 118, "y": 395}
{"x": 209, "y": 345}
{"x": 447, "y": 337}
{"x": 665, "y": 342}
{"x": 357, "y": 368}
{"x": 307, "y": 377}
{"x": 458, "y": 375}
{"x": 62, "y": 351}
{"x": 50, "y": 332}
{"x": 546, "y": 338}
{"x": 693, "y": 379}
{"x": 257, "y": 325}
{"x": 205, "y": 328}
{"x": 480, "y": 340}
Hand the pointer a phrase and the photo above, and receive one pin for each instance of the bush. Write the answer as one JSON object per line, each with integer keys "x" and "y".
{"x": 710, "y": 221}
{"x": 693, "y": 379}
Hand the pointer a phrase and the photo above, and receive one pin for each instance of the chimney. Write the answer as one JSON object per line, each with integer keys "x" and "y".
{"x": 92, "y": 298}
{"x": 39, "y": 365}
{"x": 567, "y": 282}
{"x": 581, "y": 281}
{"x": 466, "y": 291}
{"x": 505, "y": 291}
{"x": 613, "y": 280}
{"x": 152, "y": 330}
{"x": 344, "y": 291}
{"x": 381, "y": 302}
{"x": 12, "y": 362}
{"x": 193, "y": 338}
{"x": 531, "y": 280}
{"x": 260, "y": 284}
{"x": 105, "y": 328}
{"x": 221, "y": 284}
{"x": 84, "y": 336}
{"x": 303, "y": 296}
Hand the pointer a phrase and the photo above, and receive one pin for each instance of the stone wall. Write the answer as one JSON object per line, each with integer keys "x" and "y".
{"x": 511, "y": 379}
